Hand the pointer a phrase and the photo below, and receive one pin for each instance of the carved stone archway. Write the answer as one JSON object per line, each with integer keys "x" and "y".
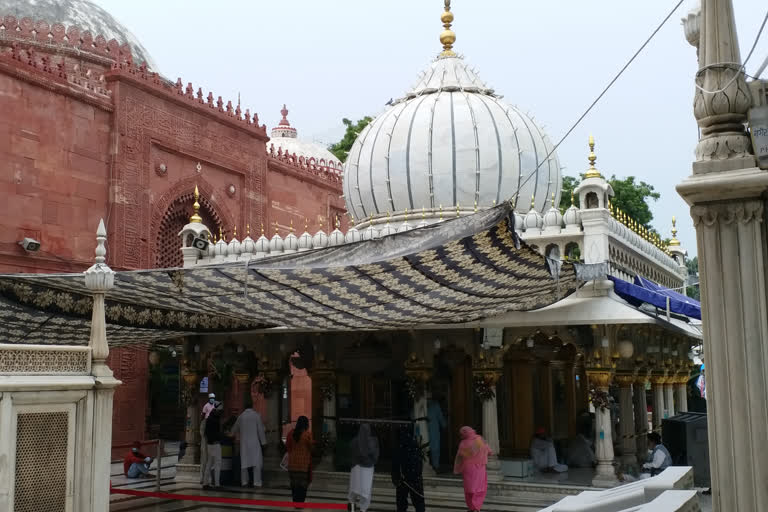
{"x": 167, "y": 241}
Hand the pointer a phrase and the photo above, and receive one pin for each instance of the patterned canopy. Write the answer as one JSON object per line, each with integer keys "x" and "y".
{"x": 456, "y": 271}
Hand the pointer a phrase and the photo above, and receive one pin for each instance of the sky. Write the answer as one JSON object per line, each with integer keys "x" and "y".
{"x": 332, "y": 59}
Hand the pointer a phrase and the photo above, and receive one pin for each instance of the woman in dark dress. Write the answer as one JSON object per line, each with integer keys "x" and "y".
{"x": 407, "y": 466}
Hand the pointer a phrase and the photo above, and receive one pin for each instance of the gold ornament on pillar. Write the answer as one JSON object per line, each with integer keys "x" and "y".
{"x": 625, "y": 381}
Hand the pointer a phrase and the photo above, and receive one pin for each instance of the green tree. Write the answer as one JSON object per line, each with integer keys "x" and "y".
{"x": 341, "y": 148}
{"x": 693, "y": 270}
{"x": 630, "y": 196}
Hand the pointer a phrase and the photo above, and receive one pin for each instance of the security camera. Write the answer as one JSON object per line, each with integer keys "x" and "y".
{"x": 30, "y": 244}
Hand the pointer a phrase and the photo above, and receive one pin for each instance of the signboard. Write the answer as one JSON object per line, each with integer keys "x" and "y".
{"x": 758, "y": 128}
{"x": 200, "y": 244}
{"x": 204, "y": 385}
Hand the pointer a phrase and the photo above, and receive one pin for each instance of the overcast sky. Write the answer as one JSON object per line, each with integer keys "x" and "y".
{"x": 346, "y": 58}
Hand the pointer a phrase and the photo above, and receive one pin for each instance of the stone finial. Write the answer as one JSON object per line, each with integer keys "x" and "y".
{"x": 101, "y": 239}
{"x": 284, "y": 120}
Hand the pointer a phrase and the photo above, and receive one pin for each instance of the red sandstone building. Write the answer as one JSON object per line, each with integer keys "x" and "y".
{"x": 90, "y": 130}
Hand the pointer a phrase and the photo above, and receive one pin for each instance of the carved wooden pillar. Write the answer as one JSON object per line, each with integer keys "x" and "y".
{"x": 325, "y": 380}
{"x": 605, "y": 476}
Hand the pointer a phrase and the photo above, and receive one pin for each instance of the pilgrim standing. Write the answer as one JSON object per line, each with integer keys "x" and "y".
{"x": 470, "y": 463}
{"x": 406, "y": 471}
{"x": 299, "y": 446}
{"x": 252, "y": 443}
{"x": 365, "y": 450}
{"x": 213, "y": 437}
{"x": 436, "y": 424}
{"x": 207, "y": 408}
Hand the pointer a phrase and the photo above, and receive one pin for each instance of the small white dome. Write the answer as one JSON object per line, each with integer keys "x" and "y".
{"x": 262, "y": 244}
{"x": 320, "y": 240}
{"x": 519, "y": 221}
{"x": 291, "y": 243}
{"x": 387, "y": 230}
{"x": 234, "y": 245}
{"x": 370, "y": 233}
{"x": 553, "y": 218}
{"x": 248, "y": 246}
{"x": 352, "y": 236}
{"x": 221, "y": 247}
{"x": 572, "y": 216}
{"x": 276, "y": 244}
{"x": 336, "y": 238}
{"x": 305, "y": 242}
{"x": 284, "y": 139}
{"x": 533, "y": 220}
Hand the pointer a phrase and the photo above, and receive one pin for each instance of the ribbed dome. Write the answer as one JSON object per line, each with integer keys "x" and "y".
{"x": 285, "y": 137}
{"x": 450, "y": 141}
{"x": 82, "y": 14}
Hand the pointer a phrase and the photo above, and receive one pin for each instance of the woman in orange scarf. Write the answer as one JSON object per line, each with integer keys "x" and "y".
{"x": 471, "y": 460}
{"x": 299, "y": 445}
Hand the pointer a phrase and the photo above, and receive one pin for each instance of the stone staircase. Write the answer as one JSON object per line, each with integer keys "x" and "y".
{"x": 383, "y": 499}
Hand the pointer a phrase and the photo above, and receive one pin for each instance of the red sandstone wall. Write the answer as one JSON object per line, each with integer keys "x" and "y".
{"x": 54, "y": 162}
{"x": 131, "y": 366}
{"x": 296, "y": 197}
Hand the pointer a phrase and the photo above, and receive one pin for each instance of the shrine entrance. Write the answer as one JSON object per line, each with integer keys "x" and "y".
{"x": 452, "y": 390}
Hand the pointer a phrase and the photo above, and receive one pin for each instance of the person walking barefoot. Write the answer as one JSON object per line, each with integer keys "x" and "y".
{"x": 470, "y": 463}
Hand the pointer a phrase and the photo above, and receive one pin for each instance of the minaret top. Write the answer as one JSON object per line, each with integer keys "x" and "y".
{"x": 284, "y": 120}
{"x": 592, "y": 172}
{"x": 447, "y": 36}
{"x": 195, "y": 218}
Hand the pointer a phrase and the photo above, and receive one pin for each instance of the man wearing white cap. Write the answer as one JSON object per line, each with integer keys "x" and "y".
{"x": 207, "y": 408}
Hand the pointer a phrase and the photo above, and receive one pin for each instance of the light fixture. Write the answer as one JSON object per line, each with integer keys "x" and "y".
{"x": 240, "y": 349}
{"x": 30, "y": 244}
{"x": 604, "y": 342}
{"x": 197, "y": 348}
{"x": 529, "y": 343}
{"x": 437, "y": 343}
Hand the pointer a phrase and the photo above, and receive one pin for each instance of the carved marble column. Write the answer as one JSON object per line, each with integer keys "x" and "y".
{"x": 605, "y": 475}
{"x": 627, "y": 420}
{"x": 657, "y": 388}
{"x": 641, "y": 418}
{"x": 326, "y": 380}
{"x": 99, "y": 279}
{"x": 491, "y": 424}
{"x": 669, "y": 397}
{"x": 681, "y": 393}
{"x": 419, "y": 413}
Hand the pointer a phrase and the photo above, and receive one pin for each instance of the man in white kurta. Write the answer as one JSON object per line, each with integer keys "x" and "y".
{"x": 252, "y": 440}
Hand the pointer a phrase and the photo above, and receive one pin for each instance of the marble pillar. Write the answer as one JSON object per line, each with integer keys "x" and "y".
{"x": 726, "y": 193}
{"x": 669, "y": 398}
{"x": 681, "y": 393}
{"x": 491, "y": 430}
{"x": 657, "y": 388}
{"x": 422, "y": 428}
{"x": 641, "y": 418}
{"x": 605, "y": 474}
{"x": 626, "y": 420}
{"x": 328, "y": 392}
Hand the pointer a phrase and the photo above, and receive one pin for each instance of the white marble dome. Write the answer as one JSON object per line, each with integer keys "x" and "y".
{"x": 450, "y": 141}
{"x": 84, "y": 15}
{"x": 285, "y": 137}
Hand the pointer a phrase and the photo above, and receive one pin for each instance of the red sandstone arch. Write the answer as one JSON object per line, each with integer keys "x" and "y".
{"x": 172, "y": 212}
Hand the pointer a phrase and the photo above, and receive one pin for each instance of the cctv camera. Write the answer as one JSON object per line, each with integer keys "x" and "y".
{"x": 30, "y": 244}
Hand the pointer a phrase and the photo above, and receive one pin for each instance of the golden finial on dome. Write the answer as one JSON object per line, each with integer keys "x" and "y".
{"x": 195, "y": 218}
{"x": 447, "y": 36}
{"x": 441, "y": 212}
{"x": 475, "y": 206}
{"x": 406, "y": 215}
{"x": 533, "y": 202}
{"x": 423, "y": 213}
{"x": 387, "y": 216}
{"x": 571, "y": 197}
{"x": 234, "y": 232}
{"x": 592, "y": 172}
{"x": 276, "y": 230}
{"x": 338, "y": 222}
{"x": 221, "y": 234}
{"x": 291, "y": 225}
{"x": 457, "y": 210}
{"x": 370, "y": 222}
{"x": 262, "y": 229}
{"x": 306, "y": 224}
{"x": 674, "y": 242}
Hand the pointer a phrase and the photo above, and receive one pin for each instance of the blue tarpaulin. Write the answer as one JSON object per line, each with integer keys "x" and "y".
{"x": 643, "y": 290}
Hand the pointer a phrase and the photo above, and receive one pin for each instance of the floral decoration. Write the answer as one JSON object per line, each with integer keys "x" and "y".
{"x": 600, "y": 399}
{"x": 484, "y": 389}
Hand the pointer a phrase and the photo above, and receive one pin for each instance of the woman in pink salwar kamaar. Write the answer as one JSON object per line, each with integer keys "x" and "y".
{"x": 471, "y": 460}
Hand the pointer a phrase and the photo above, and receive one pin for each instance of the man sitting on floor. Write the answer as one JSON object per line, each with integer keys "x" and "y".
{"x": 136, "y": 464}
{"x": 543, "y": 453}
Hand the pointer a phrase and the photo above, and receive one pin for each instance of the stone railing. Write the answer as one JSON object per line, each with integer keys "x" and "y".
{"x": 671, "y": 491}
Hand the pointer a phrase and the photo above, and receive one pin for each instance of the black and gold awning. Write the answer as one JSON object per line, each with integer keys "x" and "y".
{"x": 456, "y": 271}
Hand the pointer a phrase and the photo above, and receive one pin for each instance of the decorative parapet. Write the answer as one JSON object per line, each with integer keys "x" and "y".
{"x": 44, "y": 360}
{"x": 141, "y": 76}
{"x": 329, "y": 171}
{"x": 58, "y": 36}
